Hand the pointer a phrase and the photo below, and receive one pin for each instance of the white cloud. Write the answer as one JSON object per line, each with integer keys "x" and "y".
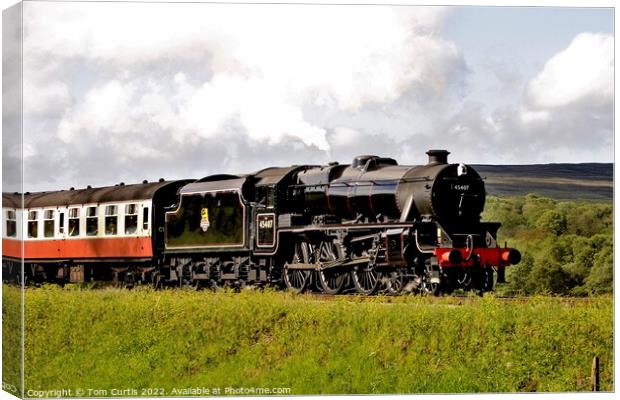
{"x": 196, "y": 70}
{"x": 584, "y": 71}
{"x": 210, "y": 88}
{"x": 45, "y": 99}
{"x": 529, "y": 116}
{"x": 567, "y": 112}
{"x": 342, "y": 55}
{"x": 105, "y": 109}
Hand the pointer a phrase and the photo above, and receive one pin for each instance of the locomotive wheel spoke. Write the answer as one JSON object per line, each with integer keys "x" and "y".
{"x": 331, "y": 280}
{"x": 432, "y": 288}
{"x": 298, "y": 280}
{"x": 395, "y": 281}
{"x": 366, "y": 279}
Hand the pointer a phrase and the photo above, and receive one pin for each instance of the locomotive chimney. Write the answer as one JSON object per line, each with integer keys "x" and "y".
{"x": 437, "y": 157}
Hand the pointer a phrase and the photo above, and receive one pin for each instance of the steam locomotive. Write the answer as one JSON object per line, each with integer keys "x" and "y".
{"x": 371, "y": 226}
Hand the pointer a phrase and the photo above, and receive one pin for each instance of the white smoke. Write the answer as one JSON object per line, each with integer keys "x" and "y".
{"x": 265, "y": 63}
{"x": 184, "y": 90}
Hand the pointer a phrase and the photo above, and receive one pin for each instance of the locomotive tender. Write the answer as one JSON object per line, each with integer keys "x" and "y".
{"x": 369, "y": 226}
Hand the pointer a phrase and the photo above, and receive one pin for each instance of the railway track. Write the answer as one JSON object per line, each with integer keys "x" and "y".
{"x": 376, "y": 298}
{"x": 446, "y": 300}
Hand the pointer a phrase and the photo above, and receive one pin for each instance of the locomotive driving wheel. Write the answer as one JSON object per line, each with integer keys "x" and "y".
{"x": 395, "y": 281}
{"x": 331, "y": 279}
{"x": 298, "y": 280}
{"x": 431, "y": 285}
{"x": 366, "y": 279}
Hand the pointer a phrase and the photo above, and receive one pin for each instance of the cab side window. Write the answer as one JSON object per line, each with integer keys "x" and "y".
{"x": 266, "y": 196}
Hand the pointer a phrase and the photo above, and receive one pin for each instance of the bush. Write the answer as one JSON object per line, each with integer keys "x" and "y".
{"x": 567, "y": 247}
{"x": 553, "y": 222}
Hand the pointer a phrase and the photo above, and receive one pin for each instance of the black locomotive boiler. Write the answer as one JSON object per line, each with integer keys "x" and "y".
{"x": 369, "y": 226}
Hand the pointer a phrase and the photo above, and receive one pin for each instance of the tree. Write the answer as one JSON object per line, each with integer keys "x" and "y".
{"x": 601, "y": 277}
{"x": 552, "y": 221}
{"x": 567, "y": 246}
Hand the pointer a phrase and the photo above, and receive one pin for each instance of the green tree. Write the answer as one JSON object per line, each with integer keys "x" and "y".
{"x": 534, "y": 207}
{"x": 567, "y": 246}
{"x": 601, "y": 277}
{"x": 552, "y": 221}
{"x": 518, "y": 276}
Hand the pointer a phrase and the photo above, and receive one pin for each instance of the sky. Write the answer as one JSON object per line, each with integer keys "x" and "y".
{"x": 130, "y": 91}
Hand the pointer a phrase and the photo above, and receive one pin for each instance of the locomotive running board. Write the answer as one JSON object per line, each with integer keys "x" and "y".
{"x": 328, "y": 265}
{"x": 300, "y": 266}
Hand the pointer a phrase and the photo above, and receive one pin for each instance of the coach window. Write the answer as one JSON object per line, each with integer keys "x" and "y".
{"x": 131, "y": 219}
{"x": 61, "y": 222}
{"x": 11, "y": 224}
{"x": 145, "y": 218}
{"x": 48, "y": 223}
{"x": 92, "y": 221}
{"x": 111, "y": 220}
{"x": 74, "y": 222}
{"x": 33, "y": 224}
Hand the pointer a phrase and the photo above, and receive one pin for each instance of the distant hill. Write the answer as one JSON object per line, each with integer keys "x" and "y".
{"x": 588, "y": 181}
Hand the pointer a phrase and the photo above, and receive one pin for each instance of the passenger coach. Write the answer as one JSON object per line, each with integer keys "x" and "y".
{"x": 87, "y": 234}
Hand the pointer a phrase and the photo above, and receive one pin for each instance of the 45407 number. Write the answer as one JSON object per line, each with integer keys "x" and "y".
{"x": 462, "y": 188}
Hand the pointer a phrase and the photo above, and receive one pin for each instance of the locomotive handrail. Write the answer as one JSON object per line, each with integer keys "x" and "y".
{"x": 469, "y": 243}
{"x": 417, "y": 244}
{"x": 417, "y": 179}
{"x": 378, "y": 182}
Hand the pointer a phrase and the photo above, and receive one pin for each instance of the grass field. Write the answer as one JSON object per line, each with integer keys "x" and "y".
{"x": 11, "y": 339}
{"x": 112, "y": 339}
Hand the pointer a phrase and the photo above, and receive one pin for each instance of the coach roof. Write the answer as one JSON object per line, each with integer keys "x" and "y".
{"x": 11, "y": 200}
{"x": 107, "y": 194}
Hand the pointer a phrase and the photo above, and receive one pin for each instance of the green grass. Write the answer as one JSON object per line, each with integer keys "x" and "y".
{"x": 105, "y": 339}
{"x": 11, "y": 339}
